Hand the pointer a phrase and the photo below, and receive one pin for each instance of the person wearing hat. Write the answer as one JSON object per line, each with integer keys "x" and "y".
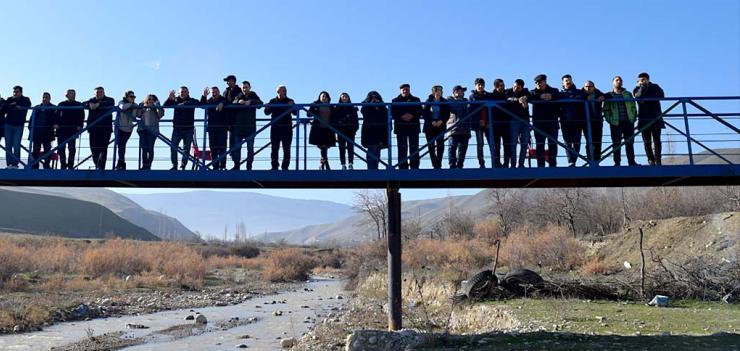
{"x": 516, "y": 98}
{"x": 545, "y": 121}
{"x": 649, "y": 116}
{"x": 406, "y": 119}
{"x": 480, "y": 126}
{"x": 281, "y": 127}
{"x": 436, "y": 114}
{"x": 458, "y": 126}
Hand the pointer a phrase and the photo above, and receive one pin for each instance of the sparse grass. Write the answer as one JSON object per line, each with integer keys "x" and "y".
{"x": 582, "y": 316}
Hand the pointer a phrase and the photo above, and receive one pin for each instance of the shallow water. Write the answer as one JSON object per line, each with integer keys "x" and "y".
{"x": 264, "y": 333}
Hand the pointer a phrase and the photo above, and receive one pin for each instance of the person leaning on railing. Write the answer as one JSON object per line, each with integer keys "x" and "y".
{"x": 374, "y": 134}
{"x": 517, "y": 98}
{"x": 621, "y": 117}
{"x": 230, "y": 93}
{"x": 501, "y": 122}
{"x": 545, "y": 119}
{"x": 346, "y": 122}
{"x": 2, "y": 118}
{"x": 595, "y": 121}
{"x": 572, "y": 118}
{"x": 148, "y": 129}
{"x": 321, "y": 135}
{"x": 406, "y": 119}
{"x": 435, "y": 123}
{"x": 41, "y": 131}
{"x": 458, "y": 127}
{"x": 281, "y": 129}
{"x": 68, "y": 123}
{"x": 15, "y": 110}
{"x": 245, "y": 125}
{"x": 218, "y": 126}
{"x": 125, "y": 125}
{"x": 650, "y": 121}
{"x": 183, "y": 125}
{"x": 480, "y": 124}
{"x": 100, "y": 108}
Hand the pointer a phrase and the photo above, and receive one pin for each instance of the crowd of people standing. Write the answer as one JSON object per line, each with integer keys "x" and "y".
{"x": 500, "y": 118}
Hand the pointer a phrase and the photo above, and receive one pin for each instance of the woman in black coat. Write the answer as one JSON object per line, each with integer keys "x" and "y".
{"x": 346, "y": 121}
{"x": 321, "y": 135}
{"x": 374, "y": 134}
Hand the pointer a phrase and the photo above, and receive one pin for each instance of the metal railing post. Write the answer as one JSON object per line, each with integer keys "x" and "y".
{"x": 203, "y": 146}
{"x": 298, "y": 140}
{"x": 589, "y": 135}
{"x": 688, "y": 133}
{"x": 390, "y": 138}
{"x": 305, "y": 146}
{"x": 30, "y": 139}
{"x": 491, "y": 142}
{"x": 116, "y": 124}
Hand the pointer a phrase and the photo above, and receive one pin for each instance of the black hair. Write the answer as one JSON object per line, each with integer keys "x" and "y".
{"x": 566, "y": 76}
{"x": 520, "y": 81}
{"x": 247, "y": 83}
{"x": 644, "y": 75}
{"x": 349, "y": 99}
{"x": 318, "y": 99}
{"x": 373, "y": 94}
{"x": 18, "y": 87}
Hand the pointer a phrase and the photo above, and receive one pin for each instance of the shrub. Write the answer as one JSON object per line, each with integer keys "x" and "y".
{"x": 548, "y": 247}
{"x": 594, "y": 267}
{"x": 289, "y": 264}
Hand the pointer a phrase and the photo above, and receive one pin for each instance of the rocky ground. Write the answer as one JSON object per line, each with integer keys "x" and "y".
{"x": 225, "y": 287}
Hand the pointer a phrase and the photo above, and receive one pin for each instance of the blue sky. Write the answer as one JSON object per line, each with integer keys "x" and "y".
{"x": 690, "y": 48}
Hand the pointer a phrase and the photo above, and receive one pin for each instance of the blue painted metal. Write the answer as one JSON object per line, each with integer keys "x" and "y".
{"x": 691, "y": 174}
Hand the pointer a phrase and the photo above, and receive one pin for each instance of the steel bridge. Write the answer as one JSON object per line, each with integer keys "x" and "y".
{"x": 716, "y": 135}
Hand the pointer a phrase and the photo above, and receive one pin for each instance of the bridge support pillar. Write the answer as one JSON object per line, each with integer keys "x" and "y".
{"x": 394, "y": 258}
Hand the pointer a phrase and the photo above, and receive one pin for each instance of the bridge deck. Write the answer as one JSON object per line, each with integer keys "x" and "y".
{"x": 673, "y": 175}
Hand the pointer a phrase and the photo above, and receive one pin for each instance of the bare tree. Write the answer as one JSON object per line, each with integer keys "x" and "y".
{"x": 374, "y": 206}
{"x": 508, "y": 206}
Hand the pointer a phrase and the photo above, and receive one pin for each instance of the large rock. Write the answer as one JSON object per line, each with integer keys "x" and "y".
{"x": 288, "y": 343}
{"x": 372, "y": 340}
{"x": 201, "y": 319}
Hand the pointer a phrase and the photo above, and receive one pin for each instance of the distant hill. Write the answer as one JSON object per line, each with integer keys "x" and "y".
{"x": 704, "y": 157}
{"x": 163, "y": 226}
{"x": 53, "y": 215}
{"x": 211, "y": 212}
{"x": 355, "y": 229}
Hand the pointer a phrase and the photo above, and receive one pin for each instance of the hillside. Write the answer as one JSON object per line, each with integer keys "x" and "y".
{"x": 355, "y": 229}
{"x": 52, "y": 215}
{"x": 161, "y": 225}
{"x": 210, "y": 212}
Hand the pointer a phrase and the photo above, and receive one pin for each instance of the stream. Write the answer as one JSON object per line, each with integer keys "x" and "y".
{"x": 258, "y": 327}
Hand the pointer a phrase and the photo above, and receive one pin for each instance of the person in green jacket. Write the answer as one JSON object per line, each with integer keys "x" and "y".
{"x": 621, "y": 117}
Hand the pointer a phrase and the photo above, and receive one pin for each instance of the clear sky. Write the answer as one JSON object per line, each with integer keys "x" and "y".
{"x": 689, "y": 47}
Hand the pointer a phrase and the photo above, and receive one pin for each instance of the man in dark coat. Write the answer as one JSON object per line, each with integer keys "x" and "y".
{"x": 435, "y": 123}
{"x": 245, "y": 125}
{"x": 545, "y": 121}
{"x": 69, "y": 121}
{"x": 595, "y": 120}
{"x": 217, "y": 125}
{"x": 41, "y": 131}
{"x": 516, "y": 99}
{"x": 480, "y": 124}
{"x": 281, "y": 127}
{"x": 15, "y": 110}
{"x": 183, "y": 125}
{"x": 649, "y": 116}
{"x": 406, "y": 119}
{"x": 501, "y": 123}
{"x": 572, "y": 118}
{"x": 100, "y": 125}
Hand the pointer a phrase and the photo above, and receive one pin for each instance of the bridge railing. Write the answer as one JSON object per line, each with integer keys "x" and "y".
{"x": 693, "y": 134}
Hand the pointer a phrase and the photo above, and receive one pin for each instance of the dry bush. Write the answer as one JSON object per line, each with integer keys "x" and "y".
{"x": 595, "y": 267}
{"x": 364, "y": 259}
{"x": 488, "y": 230}
{"x": 247, "y": 250}
{"x": 448, "y": 256}
{"x": 14, "y": 259}
{"x": 288, "y": 264}
{"x": 115, "y": 257}
{"x": 549, "y": 247}
{"x": 221, "y": 262}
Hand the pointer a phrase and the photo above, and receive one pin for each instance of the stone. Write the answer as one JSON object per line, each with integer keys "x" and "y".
{"x": 241, "y": 346}
{"x": 16, "y": 329}
{"x": 201, "y": 319}
{"x": 288, "y": 343}
{"x": 339, "y": 297}
{"x": 277, "y": 313}
{"x": 372, "y": 340}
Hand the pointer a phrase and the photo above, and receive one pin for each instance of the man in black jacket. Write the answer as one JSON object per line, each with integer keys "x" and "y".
{"x": 501, "y": 122}
{"x": 41, "y": 130}
{"x": 100, "y": 125}
{"x": 281, "y": 127}
{"x": 480, "y": 124}
{"x": 16, "y": 110}
{"x": 545, "y": 120}
{"x": 649, "y": 116}
{"x": 595, "y": 121}
{"x": 183, "y": 125}
{"x": 406, "y": 119}
{"x": 516, "y": 99}
{"x": 217, "y": 125}
{"x": 572, "y": 118}
{"x": 69, "y": 121}
{"x": 244, "y": 126}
